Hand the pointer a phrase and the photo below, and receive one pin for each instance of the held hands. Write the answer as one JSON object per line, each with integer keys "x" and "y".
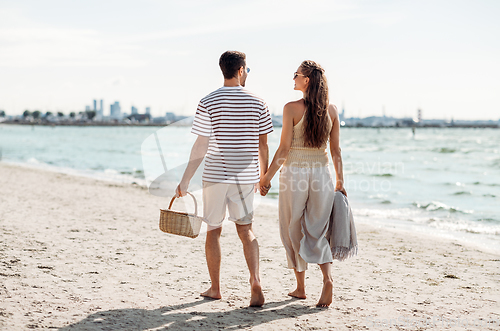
{"x": 265, "y": 185}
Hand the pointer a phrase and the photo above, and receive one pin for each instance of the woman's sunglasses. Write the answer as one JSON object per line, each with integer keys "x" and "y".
{"x": 295, "y": 74}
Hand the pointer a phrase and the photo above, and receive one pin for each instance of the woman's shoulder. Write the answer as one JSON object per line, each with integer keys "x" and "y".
{"x": 296, "y": 104}
{"x": 332, "y": 109}
{"x": 333, "y": 112}
{"x": 294, "y": 110}
{"x": 294, "y": 107}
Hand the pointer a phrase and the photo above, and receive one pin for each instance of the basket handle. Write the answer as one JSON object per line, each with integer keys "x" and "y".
{"x": 195, "y": 203}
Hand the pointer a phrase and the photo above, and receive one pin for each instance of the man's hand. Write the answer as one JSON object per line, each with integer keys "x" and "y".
{"x": 264, "y": 190}
{"x": 181, "y": 189}
{"x": 265, "y": 185}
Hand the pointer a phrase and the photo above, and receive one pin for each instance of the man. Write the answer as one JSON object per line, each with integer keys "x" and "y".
{"x": 232, "y": 126}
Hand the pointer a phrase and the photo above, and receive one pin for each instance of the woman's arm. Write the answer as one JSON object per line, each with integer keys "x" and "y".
{"x": 335, "y": 149}
{"x": 283, "y": 149}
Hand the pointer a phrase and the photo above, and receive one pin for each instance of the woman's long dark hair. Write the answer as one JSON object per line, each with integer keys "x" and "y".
{"x": 316, "y": 129}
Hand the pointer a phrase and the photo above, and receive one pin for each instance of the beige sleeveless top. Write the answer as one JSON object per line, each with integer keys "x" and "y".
{"x": 306, "y": 157}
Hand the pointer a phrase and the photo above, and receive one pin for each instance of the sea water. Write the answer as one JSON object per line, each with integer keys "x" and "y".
{"x": 443, "y": 181}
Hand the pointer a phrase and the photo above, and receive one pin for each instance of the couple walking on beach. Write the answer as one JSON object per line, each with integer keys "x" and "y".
{"x": 232, "y": 125}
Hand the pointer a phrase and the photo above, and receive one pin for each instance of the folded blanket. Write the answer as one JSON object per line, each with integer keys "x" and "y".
{"x": 341, "y": 232}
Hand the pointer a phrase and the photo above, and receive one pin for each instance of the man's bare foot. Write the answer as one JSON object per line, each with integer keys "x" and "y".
{"x": 257, "y": 299}
{"x": 299, "y": 294}
{"x": 326, "y": 294}
{"x": 211, "y": 293}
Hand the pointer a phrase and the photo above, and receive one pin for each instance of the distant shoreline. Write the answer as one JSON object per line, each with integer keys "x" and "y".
{"x": 84, "y": 124}
{"x": 106, "y": 124}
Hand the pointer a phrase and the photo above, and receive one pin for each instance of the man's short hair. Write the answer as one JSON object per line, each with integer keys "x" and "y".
{"x": 230, "y": 62}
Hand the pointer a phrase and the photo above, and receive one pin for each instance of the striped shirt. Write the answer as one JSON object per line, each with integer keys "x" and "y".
{"x": 233, "y": 118}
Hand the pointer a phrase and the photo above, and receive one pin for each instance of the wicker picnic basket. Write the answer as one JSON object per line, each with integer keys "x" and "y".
{"x": 181, "y": 223}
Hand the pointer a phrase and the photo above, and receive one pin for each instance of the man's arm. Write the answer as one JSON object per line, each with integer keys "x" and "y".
{"x": 263, "y": 154}
{"x": 198, "y": 152}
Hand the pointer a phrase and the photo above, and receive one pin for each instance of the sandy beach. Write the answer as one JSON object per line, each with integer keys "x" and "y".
{"x": 81, "y": 254}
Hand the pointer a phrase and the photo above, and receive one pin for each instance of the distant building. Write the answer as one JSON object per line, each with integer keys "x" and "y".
{"x": 183, "y": 121}
{"x": 405, "y": 122}
{"x": 148, "y": 110}
{"x": 95, "y": 105}
{"x": 170, "y": 117}
{"x": 433, "y": 123}
{"x": 140, "y": 118}
{"x": 133, "y": 110}
{"x": 158, "y": 120}
{"x": 101, "y": 109}
{"x": 115, "y": 110}
{"x": 87, "y": 108}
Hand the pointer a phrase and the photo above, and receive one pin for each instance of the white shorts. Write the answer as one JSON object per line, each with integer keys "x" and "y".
{"x": 219, "y": 196}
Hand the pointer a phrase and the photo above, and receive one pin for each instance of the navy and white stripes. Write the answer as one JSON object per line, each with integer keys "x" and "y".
{"x": 233, "y": 118}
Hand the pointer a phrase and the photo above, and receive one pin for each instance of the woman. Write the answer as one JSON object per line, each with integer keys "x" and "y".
{"x": 306, "y": 189}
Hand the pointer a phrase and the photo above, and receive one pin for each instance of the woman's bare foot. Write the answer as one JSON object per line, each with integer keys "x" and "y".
{"x": 211, "y": 293}
{"x": 257, "y": 299}
{"x": 299, "y": 294}
{"x": 326, "y": 294}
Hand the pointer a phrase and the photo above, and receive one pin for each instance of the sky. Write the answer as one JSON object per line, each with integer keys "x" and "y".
{"x": 383, "y": 57}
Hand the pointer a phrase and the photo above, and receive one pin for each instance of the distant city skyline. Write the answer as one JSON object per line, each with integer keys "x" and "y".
{"x": 95, "y": 118}
{"x": 381, "y": 57}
